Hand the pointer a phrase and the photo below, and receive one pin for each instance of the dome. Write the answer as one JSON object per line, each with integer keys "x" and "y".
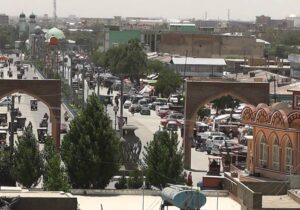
{"x": 32, "y": 16}
{"x": 22, "y": 15}
{"x": 37, "y": 30}
{"x": 55, "y": 32}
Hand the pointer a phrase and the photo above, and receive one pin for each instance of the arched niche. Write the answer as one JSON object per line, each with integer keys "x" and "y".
{"x": 199, "y": 93}
{"x": 47, "y": 91}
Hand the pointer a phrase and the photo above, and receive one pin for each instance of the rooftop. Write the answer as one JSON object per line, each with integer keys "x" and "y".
{"x": 198, "y": 61}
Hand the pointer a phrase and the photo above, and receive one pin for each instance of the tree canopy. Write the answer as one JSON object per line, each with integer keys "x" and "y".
{"x": 127, "y": 59}
{"x": 163, "y": 159}
{"x": 28, "y": 163}
{"x": 55, "y": 176}
{"x": 90, "y": 150}
{"x": 225, "y": 102}
{"x": 168, "y": 82}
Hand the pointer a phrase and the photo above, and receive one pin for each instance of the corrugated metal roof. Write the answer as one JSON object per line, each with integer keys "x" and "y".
{"x": 199, "y": 61}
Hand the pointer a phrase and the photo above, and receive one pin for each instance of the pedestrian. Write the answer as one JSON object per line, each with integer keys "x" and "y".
{"x": 190, "y": 179}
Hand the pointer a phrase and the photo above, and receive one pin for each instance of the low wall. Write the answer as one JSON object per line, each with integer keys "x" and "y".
{"x": 38, "y": 203}
{"x": 268, "y": 188}
{"x": 249, "y": 198}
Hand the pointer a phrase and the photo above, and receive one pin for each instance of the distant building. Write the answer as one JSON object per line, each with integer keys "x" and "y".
{"x": 295, "y": 65}
{"x": 267, "y": 22}
{"x": 209, "y": 46}
{"x": 32, "y": 23}
{"x": 198, "y": 67}
{"x": 22, "y": 25}
{"x": 115, "y": 38}
{"x": 4, "y": 19}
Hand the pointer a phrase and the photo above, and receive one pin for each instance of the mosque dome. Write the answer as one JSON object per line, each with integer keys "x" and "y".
{"x": 55, "y": 32}
{"x": 37, "y": 30}
{"x": 22, "y": 15}
{"x": 32, "y": 16}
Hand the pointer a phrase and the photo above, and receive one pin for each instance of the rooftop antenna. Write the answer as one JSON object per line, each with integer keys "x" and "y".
{"x": 54, "y": 12}
{"x": 205, "y": 17}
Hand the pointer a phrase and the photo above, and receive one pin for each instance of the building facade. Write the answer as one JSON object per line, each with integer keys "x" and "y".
{"x": 209, "y": 46}
{"x": 274, "y": 151}
{"x": 4, "y": 19}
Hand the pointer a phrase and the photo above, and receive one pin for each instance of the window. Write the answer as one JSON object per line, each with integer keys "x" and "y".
{"x": 263, "y": 152}
{"x": 275, "y": 154}
{"x": 288, "y": 157}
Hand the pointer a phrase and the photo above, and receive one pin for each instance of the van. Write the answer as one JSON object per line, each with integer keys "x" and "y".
{"x": 212, "y": 140}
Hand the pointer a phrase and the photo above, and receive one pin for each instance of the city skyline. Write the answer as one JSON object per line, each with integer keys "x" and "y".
{"x": 175, "y": 9}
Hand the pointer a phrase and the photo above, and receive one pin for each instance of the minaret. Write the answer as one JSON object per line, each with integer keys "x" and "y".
{"x": 22, "y": 25}
{"x": 32, "y": 23}
{"x": 54, "y": 13}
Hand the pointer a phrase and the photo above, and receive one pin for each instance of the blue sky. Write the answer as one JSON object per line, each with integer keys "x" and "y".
{"x": 239, "y": 9}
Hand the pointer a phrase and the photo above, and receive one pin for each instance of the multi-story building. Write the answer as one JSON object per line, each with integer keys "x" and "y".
{"x": 4, "y": 19}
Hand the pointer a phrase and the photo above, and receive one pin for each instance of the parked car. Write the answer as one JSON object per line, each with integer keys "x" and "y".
{"x": 172, "y": 125}
{"x": 206, "y": 134}
{"x": 5, "y": 101}
{"x": 211, "y": 140}
{"x": 145, "y": 110}
{"x": 127, "y": 104}
{"x": 173, "y": 98}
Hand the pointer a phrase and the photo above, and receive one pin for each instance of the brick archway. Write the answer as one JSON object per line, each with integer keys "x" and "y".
{"x": 47, "y": 91}
{"x": 199, "y": 93}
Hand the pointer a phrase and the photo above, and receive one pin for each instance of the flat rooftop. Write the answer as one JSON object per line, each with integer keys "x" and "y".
{"x": 135, "y": 202}
{"x": 36, "y": 194}
{"x": 279, "y": 202}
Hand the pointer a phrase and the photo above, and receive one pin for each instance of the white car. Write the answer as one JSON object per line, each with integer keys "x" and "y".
{"x": 127, "y": 104}
{"x": 211, "y": 140}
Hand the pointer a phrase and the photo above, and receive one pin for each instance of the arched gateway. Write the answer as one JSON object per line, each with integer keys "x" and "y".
{"x": 199, "y": 93}
{"x": 47, "y": 91}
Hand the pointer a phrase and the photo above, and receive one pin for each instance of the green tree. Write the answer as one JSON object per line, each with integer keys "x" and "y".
{"x": 6, "y": 166}
{"x": 163, "y": 160}
{"x": 28, "y": 164}
{"x": 168, "y": 82}
{"x": 225, "y": 102}
{"x": 55, "y": 176}
{"x": 127, "y": 59}
{"x": 155, "y": 66}
{"x": 90, "y": 150}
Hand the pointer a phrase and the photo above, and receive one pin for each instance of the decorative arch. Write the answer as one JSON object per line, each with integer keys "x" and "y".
{"x": 279, "y": 119}
{"x": 294, "y": 119}
{"x": 198, "y": 93}
{"x": 262, "y": 116}
{"x": 274, "y": 140}
{"x": 288, "y": 154}
{"x": 247, "y": 113}
{"x": 47, "y": 91}
{"x": 262, "y": 149}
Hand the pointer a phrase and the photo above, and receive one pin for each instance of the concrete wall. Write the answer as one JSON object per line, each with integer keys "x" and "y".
{"x": 38, "y": 203}
{"x": 268, "y": 188}
{"x": 249, "y": 198}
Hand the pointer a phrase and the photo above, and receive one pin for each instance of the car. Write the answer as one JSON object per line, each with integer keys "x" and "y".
{"x": 63, "y": 128}
{"x": 127, "y": 104}
{"x": 172, "y": 125}
{"x": 145, "y": 110}
{"x": 2, "y": 65}
{"x": 5, "y": 101}
{"x": 162, "y": 111}
{"x": 205, "y": 135}
{"x": 173, "y": 99}
{"x": 211, "y": 140}
{"x": 134, "y": 108}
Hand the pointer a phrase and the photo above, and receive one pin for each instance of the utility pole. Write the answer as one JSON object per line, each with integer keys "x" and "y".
{"x": 275, "y": 97}
{"x": 83, "y": 78}
{"x": 121, "y": 109}
{"x": 12, "y": 122}
{"x": 98, "y": 82}
{"x": 184, "y": 70}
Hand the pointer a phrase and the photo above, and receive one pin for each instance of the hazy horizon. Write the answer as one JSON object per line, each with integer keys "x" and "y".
{"x": 245, "y": 10}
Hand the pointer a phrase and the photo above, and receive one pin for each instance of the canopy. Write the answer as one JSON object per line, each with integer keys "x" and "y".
{"x": 147, "y": 89}
{"x": 3, "y": 58}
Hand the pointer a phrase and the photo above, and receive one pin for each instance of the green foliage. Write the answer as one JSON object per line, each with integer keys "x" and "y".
{"x": 99, "y": 58}
{"x": 55, "y": 176}
{"x": 203, "y": 112}
{"x": 155, "y": 66}
{"x": 163, "y": 160}
{"x": 28, "y": 164}
{"x": 122, "y": 183}
{"x": 8, "y": 35}
{"x": 127, "y": 59}
{"x": 90, "y": 150}
{"x": 168, "y": 82}
{"x": 6, "y": 166}
{"x": 135, "y": 180}
{"x": 225, "y": 102}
